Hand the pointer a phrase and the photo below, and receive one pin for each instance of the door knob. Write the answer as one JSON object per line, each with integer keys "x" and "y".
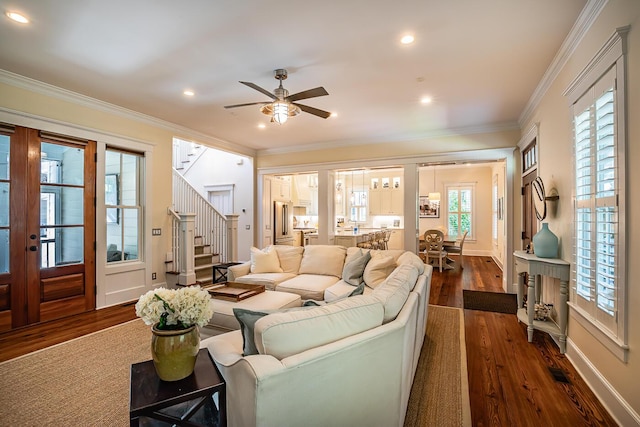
{"x": 33, "y": 237}
{"x": 33, "y": 248}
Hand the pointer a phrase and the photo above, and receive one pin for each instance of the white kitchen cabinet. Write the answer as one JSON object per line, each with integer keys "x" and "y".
{"x": 280, "y": 190}
{"x": 386, "y": 196}
{"x": 267, "y": 212}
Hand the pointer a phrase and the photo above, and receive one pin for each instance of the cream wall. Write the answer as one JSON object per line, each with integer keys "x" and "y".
{"x": 616, "y": 382}
{"x": 33, "y": 104}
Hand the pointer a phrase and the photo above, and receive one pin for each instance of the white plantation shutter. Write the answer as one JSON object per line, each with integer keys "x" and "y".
{"x": 596, "y": 246}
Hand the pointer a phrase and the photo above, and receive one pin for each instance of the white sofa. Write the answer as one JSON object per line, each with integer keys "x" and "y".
{"x": 347, "y": 363}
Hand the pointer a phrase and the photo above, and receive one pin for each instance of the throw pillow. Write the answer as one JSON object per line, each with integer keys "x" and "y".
{"x": 354, "y": 269}
{"x": 265, "y": 261}
{"x": 378, "y": 269}
{"x": 247, "y": 320}
{"x": 359, "y": 290}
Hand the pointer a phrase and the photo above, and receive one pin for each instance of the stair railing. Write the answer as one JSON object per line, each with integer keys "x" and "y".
{"x": 218, "y": 231}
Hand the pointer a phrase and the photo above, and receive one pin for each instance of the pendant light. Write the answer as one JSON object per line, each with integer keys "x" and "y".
{"x": 435, "y": 195}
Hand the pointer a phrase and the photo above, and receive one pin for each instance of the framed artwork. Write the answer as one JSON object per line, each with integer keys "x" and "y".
{"x": 111, "y": 198}
{"x": 429, "y": 208}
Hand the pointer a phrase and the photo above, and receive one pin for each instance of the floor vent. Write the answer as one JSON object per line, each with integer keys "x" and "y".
{"x": 558, "y": 375}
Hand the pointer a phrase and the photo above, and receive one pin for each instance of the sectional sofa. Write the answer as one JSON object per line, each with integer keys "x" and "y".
{"x": 343, "y": 361}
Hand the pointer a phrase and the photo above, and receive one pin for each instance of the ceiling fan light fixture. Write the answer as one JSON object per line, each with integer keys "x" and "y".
{"x": 280, "y": 112}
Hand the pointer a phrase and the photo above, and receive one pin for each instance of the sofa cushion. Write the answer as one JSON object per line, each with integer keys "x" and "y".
{"x": 290, "y": 257}
{"x": 341, "y": 289}
{"x": 393, "y": 292}
{"x": 377, "y": 269}
{"x": 308, "y": 286}
{"x": 269, "y": 280}
{"x": 285, "y": 334}
{"x": 412, "y": 259}
{"x": 325, "y": 260}
{"x": 354, "y": 269}
{"x": 358, "y": 290}
{"x": 265, "y": 261}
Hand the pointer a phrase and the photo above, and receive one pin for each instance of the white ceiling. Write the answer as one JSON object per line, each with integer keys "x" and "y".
{"x": 481, "y": 61}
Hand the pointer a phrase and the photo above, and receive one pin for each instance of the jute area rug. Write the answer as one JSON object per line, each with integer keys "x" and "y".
{"x": 85, "y": 382}
{"x": 440, "y": 391}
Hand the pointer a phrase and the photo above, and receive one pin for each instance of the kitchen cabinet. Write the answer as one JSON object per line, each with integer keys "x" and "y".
{"x": 386, "y": 196}
{"x": 280, "y": 190}
{"x": 267, "y": 212}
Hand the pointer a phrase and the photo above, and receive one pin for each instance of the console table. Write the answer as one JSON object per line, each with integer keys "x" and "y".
{"x": 536, "y": 268}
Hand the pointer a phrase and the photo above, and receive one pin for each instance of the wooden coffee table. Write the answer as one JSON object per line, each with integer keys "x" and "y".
{"x": 187, "y": 402}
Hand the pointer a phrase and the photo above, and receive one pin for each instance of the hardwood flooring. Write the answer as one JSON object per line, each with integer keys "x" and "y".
{"x": 509, "y": 379}
{"x": 510, "y": 383}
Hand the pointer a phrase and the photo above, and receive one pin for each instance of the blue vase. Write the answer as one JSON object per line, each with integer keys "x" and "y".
{"x": 545, "y": 243}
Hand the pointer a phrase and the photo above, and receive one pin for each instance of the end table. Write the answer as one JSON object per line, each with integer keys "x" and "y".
{"x": 220, "y": 271}
{"x": 187, "y": 402}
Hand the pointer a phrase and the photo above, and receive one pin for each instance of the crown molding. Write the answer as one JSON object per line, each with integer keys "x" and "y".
{"x": 444, "y": 133}
{"x": 584, "y": 22}
{"x": 55, "y": 92}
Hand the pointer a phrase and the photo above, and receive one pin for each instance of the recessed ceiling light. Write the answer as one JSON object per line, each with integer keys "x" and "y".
{"x": 188, "y": 93}
{"x": 15, "y": 16}
{"x": 426, "y": 100}
{"x": 334, "y": 115}
{"x": 262, "y": 126}
{"x": 408, "y": 39}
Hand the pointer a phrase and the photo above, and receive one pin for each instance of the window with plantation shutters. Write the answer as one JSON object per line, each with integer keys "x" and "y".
{"x": 599, "y": 281}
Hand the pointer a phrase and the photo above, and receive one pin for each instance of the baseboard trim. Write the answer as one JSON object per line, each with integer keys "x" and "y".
{"x": 619, "y": 409}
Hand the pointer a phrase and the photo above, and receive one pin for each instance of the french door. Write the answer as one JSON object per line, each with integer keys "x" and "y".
{"x": 47, "y": 226}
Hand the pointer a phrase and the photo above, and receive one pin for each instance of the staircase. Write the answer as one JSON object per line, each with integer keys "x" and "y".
{"x": 204, "y": 261}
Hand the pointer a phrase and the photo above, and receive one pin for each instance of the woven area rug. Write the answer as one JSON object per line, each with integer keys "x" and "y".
{"x": 82, "y": 382}
{"x": 440, "y": 391}
{"x": 490, "y": 301}
{"x": 85, "y": 381}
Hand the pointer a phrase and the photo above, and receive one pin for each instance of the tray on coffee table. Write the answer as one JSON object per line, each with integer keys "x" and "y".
{"x": 234, "y": 291}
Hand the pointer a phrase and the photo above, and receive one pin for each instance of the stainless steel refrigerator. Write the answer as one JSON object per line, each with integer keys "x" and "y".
{"x": 283, "y": 223}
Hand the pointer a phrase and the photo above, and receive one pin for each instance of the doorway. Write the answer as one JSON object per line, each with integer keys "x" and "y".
{"x": 47, "y": 226}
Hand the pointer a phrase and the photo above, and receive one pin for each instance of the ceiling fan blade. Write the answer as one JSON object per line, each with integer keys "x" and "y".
{"x": 314, "y": 111}
{"x": 311, "y": 93}
{"x": 244, "y": 105}
{"x": 259, "y": 89}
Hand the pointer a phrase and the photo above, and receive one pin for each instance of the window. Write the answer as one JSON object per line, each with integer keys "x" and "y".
{"x": 122, "y": 203}
{"x": 598, "y": 291}
{"x": 460, "y": 216}
{"x": 358, "y": 210}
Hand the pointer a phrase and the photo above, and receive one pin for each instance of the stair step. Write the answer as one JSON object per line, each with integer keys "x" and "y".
{"x": 203, "y": 267}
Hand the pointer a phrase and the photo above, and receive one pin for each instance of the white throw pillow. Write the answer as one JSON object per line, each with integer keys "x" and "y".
{"x": 290, "y": 257}
{"x": 265, "y": 261}
{"x": 411, "y": 259}
{"x": 377, "y": 269}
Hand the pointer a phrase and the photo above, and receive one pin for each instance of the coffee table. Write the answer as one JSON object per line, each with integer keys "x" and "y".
{"x": 223, "y": 319}
{"x": 187, "y": 402}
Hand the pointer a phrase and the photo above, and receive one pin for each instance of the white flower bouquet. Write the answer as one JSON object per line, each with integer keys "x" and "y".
{"x": 171, "y": 309}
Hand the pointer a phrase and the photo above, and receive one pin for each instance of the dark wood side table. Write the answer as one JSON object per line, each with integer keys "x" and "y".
{"x": 188, "y": 402}
{"x": 220, "y": 271}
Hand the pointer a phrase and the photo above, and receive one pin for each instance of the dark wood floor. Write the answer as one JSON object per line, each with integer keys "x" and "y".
{"x": 510, "y": 383}
{"x": 509, "y": 379}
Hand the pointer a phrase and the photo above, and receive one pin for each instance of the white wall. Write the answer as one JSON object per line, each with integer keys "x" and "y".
{"x": 217, "y": 167}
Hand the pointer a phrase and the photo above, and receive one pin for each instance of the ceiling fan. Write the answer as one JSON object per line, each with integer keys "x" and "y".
{"x": 284, "y": 105}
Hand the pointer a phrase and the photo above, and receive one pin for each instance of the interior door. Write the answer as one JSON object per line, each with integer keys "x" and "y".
{"x": 49, "y": 235}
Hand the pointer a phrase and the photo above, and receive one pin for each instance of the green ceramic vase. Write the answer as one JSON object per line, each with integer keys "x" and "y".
{"x": 174, "y": 352}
